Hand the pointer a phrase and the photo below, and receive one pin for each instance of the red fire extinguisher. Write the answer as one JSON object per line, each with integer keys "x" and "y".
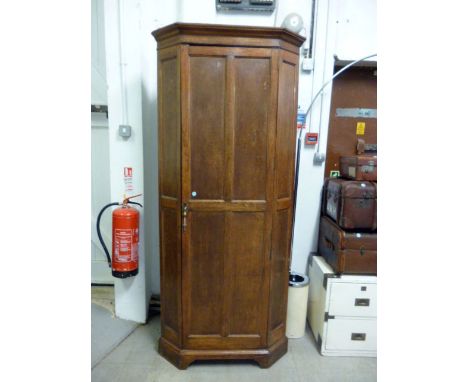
{"x": 125, "y": 237}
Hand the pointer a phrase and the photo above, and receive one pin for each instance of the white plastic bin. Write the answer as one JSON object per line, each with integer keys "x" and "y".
{"x": 297, "y": 305}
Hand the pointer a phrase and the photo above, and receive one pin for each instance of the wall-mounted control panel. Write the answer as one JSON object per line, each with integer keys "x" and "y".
{"x": 246, "y": 5}
{"x": 311, "y": 138}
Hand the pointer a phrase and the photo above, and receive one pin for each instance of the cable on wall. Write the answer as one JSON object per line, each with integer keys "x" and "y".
{"x": 312, "y": 28}
{"x": 123, "y": 65}
{"x": 312, "y": 53}
{"x": 323, "y": 78}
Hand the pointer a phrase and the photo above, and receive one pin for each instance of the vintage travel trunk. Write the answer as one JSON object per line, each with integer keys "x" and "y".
{"x": 324, "y": 196}
{"x": 347, "y": 252}
{"x": 359, "y": 167}
{"x": 352, "y": 204}
{"x": 342, "y": 311}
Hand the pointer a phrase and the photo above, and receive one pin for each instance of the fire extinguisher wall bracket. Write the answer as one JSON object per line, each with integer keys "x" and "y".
{"x": 125, "y": 238}
{"x": 124, "y": 275}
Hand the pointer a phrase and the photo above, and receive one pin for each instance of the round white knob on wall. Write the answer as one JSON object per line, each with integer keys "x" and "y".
{"x": 293, "y": 22}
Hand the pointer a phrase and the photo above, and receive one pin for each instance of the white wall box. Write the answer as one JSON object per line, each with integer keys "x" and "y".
{"x": 342, "y": 311}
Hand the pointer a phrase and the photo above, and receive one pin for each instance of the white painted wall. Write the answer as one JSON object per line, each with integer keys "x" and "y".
{"x": 356, "y": 29}
{"x": 333, "y": 36}
{"x": 100, "y": 196}
{"x": 100, "y": 178}
{"x": 98, "y": 54}
{"x": 124, "y": 77}
{"x": 346, "y": 28}
{"x": 154, "y": 14}
{"x": 311, "y": 175}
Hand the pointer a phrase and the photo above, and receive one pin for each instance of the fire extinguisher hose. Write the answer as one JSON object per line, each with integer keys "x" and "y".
{"x": 138, "y": 204}
{"x": 98, "y": 227}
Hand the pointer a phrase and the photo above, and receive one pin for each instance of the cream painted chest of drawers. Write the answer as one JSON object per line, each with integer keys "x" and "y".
{"x": 342, "y": 311}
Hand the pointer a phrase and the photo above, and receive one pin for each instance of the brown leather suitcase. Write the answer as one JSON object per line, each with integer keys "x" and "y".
{"x": 324, "y": 196}
{"x": 359, "y": 167}
{"x": 347, "y": 252}
{"x": 352, "y": 204}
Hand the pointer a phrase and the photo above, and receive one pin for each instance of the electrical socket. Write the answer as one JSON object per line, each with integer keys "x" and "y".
{"x": 307, "y": 64}
{"x": 125, "y": 131}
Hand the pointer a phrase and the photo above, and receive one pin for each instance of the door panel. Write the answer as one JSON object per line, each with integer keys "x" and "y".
{"x": 206, "y": 264}
{"x": 252, "y": 84}
{"x": 169, "y": 128}
{"x": 170, "y": 262}
{"x": 279, "y": 268}
{"x": 246, "y": 272}
{"x": 285, "y": 132}
{"x": 207, "y": 79}
{"x": 226, "y": 146}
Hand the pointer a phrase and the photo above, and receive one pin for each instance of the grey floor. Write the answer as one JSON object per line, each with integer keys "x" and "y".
{"x": 106, "y": 332}
{"x": 136, "y": 359}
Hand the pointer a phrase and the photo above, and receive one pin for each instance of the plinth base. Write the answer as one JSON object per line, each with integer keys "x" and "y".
{"x": 182, "y": 358}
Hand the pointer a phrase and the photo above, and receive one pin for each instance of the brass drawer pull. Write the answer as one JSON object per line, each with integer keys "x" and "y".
{"x": 358, "y": 336}
{"x": 361, "y": 302}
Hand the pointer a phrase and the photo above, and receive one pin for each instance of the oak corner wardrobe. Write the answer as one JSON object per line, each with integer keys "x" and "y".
{"x": 227, "y": 102}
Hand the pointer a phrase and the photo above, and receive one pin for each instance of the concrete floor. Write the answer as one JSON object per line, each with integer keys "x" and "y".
{"x": 137, "y": 360}
{"x": 106, "y": 332}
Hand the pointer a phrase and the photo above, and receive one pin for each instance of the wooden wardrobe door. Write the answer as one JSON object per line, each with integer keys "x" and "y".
{"x": 228, "y": 132}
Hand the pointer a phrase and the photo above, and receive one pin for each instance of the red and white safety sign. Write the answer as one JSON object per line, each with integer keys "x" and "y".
{"x": 128, "y": 171}
{"x": 123, "y": 244}
{"x": 128, "y": 179}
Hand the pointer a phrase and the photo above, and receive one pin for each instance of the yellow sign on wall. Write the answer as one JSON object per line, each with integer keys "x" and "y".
{"x": 360, "y": 128}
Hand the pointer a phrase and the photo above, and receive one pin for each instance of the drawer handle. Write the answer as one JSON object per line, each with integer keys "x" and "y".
{"x": 358, "y": 336}
{"x": 329, "y": 244}
{"x": 361, "y": 302}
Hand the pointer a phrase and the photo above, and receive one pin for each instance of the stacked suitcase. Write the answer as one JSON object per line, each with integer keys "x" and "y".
{"x": 342, "y": 294}
{"x": 348, "y": 225}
